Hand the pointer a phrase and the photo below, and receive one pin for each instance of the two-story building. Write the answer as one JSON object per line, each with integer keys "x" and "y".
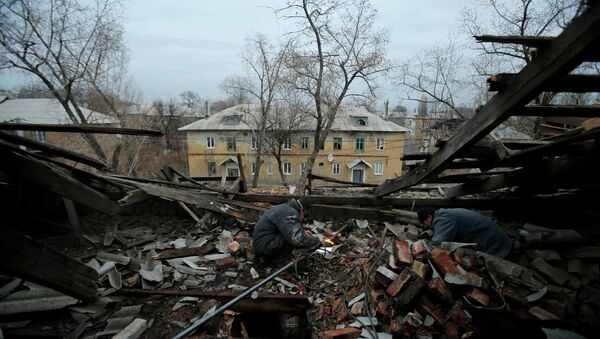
{"x": 361, "y": 147}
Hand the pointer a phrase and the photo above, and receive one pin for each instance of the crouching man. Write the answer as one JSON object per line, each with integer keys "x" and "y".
{"x": 279, "y": 231}
{"x": 463, "y": 225}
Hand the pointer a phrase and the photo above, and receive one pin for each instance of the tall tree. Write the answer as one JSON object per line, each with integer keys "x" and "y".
{"x": 168, "y": 120}
{"x": 338, "y": 53}
{"x": 262, "y": 83}
{"x": 65, "y": 44}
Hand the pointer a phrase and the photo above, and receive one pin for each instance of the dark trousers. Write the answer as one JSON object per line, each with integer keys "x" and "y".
{"x": 278, "y": 251}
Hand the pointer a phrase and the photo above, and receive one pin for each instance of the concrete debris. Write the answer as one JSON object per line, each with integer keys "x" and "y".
{"x": 184, "y": 302}
{"x": 254, "y": 273}
{"x": 223, "y": 241}
{"x": 362, "y": 223}
{"x": 34, "y": 299}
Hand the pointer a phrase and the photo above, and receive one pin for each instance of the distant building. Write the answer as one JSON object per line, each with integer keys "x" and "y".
{"x": 50, "y": 111}
{"x": 361, "y": 147}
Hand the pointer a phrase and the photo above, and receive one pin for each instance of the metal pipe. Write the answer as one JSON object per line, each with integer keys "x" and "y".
{"x": 233, "y": 301}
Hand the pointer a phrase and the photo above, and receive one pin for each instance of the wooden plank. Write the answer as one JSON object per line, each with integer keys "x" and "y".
{"x": 52, "y": 178}
{"x": 82, "y": 128}
{"x": 547, "y": 174}
{"x": 531, "y": 41}
{"x": 213, "y": 178}
{"x": 590, "y": 111}
{"x": 562, "y": 55}
{"x": 184, "y": 252}
{"x": 344, "y": 182}
{"x": 52, "y": 150}
{"x": 74, "y": 219}
{"x": 577, "y": 83}
{"x": 345, "y": 212}
{"x": 29, "y": 259}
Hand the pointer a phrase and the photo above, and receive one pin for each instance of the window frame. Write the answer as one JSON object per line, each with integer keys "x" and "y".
{"x": 289, "y": 167}
{"x": 304, "y": 143}
{"x": 334, "y": 166}
{"x": 287, "y": 144}
{"x": 210, "y": 140}
{"x": 270, "y": 168}
{"x": 362, "y": 144}
{"x": 208, "y": 168}
{"x": 231, "y": 141}
{"x": 337, "y": 143}
{"x": 39, "y": 136}
{"x": 253, "y": 143}
{"x": 375, "y": 171}
{"x": 380, "y": 146}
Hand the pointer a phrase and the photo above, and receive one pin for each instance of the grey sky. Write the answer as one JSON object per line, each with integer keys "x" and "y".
{"x": 193, "y": 45}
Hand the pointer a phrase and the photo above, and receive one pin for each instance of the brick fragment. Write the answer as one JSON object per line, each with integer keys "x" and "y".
{"x": 442, "y": 260}
{"x": 411, "y": 291}
{"x": 554, "y": 274}
{"x": 418, "y": 248}
{"x": 226, "y": 263}
{"x": 419, "y": 269}
{"x": 241, "y": 234}
{"x": 479, "y": 296}
{"x": 383, "y": 309}
{"x": 397, "y": 285}
{"x": 343, "y": 333}
{"x": 385, "y": 276}
{"x": 434, "y": 311}
{"x": 402, "y": 252}
{"x": 513, "y": 293}
{"x": 233, "y": 247}
{"x": 439, "y": 289}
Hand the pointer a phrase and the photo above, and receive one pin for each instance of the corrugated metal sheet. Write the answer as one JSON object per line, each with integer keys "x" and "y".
{"x": 46, "y": 111}
{"x": 249, "y": 113}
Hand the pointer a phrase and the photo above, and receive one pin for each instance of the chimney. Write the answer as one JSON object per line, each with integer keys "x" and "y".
{"x": 386, "y": 112}
{"x": 206, "y": 108}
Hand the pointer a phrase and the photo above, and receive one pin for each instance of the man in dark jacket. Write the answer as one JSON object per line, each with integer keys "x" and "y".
{"x": 463, "y": 225}
{"x": 278, "y": 232}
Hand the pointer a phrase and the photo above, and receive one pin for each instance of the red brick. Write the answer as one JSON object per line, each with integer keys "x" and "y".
{"x": 514, "y": 294}
{"x": 226, "y": 263}
{"x": 385, "y": 276}
{"x": 420, "y": 269}
{"x": 442, "y": 260}
{"x": 345, "y": 333}
{"x": 383, "y": 309}
{"x": 418, "y": 248}
{"x": 411, "y": 291}
{"x": 433, "y": 310}
{"x": 399, "y": 283}
{"x": 439, "y": 289}
{"x": 479, "y": 296}
{"x": 402, "y": 252}
{"x": 241, "y": 234}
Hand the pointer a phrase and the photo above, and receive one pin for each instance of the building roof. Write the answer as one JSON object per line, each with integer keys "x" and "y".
{"x": 46, "y": 111}
{"x": 243, "y": 117}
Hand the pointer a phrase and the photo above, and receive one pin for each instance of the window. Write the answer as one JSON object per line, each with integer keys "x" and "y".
{"x": 304, "y": 143}
{"x": 360, "y": 121}
{"x": 360, "y": 144}
{"x": 269, "y": 168}
{"x": 212, "y": 169}
{"x": 321, "y": 168}
{"x": 210, "y": 142}
{"x": 335, "y": 169}
{"x": 322, "y": 145}
{"x": 253, "y": 143}
{"x": 337, "y": 144}
{"x": 253, "y": 167}
{"x": 39, "y": 136}
{"x": 378, "y": 168}
{"x": 302, "y": 168}
{"x": 287, "y": 144}
{"x": 287, "y": 168}
{"x": 233, "y": 172}
{"x": 232, "y": 120}
{"x": 231, "y": 144}
{"x": 380, "y": 144}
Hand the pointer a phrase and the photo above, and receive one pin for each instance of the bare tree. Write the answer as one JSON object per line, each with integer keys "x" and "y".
{"x": 338, "y": 53}
{"x": 65, "y": 44}
{"x": 191, "y": 99}
{"x": 262, "y": 83}
{"x": 168, "y": 120}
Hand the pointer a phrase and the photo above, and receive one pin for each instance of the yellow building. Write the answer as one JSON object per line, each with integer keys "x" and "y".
{"x": 361, "y": 147}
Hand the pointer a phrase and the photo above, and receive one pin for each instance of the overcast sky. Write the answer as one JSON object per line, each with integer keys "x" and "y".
{"x": 193, "y": 45}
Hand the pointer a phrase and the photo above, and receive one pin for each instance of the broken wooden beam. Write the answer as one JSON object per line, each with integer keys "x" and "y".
{"x": 242, "y": 177}
{"x": 75, "y": 128}
{"x": 29, "y": 259}
{"x": 530, "y": 41}
{"x": 582, "y": 111}
{"x": 337, "y": 181}
{"x": 577, "y": 83}
{"x": 184, "y": 252}
{"x": 561, "y": 56}
{"x": 51, "y": 150}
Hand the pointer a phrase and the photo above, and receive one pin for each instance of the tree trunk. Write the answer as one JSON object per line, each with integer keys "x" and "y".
{"x": 280, "y": 168}
{"x": 258, "y": 161}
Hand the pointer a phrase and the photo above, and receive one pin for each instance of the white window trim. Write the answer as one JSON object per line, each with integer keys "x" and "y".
{"x": 333, "y": 166}
{"x": 375, "y": 171}
{"x": 289, "y": 167}
{"x": 335, "y": 143}
{"x": 287, "y": 144}
{"x": 380, "y": 146}
{"x": 208, "y": 143}
{"x": 302, "y": 143}
{"x": 270, "y": 169}
{"x": 253, "y": 143}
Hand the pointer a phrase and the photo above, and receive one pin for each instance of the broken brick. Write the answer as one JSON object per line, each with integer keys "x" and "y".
{"x": 411, "y": 291}
{"x": 226, "y": 263}
{"x": 469, "y": 278}
{"x": 343, "y": 333}
{"x": 479, "y": 296}
{"x": 383, "y": 309}
{"x": 385, "y": 276}
{"x": 233, "y": 246}
{"x": 240, "y": 235}
{"x": 419, "y": 269}
{"x": 402, "y": 252}
{"x": 542, "y": 314}
{"x": 418, "y": 248}
{"x": 442, "y": 260}
{"x": 434, "y": 311}
{"x": 554, "y": 274}
{"x": 472, "y": 261}
{"x": 397, "y": 285}
{"x": 439, "y": 289}
{"x": 513, "y": 293}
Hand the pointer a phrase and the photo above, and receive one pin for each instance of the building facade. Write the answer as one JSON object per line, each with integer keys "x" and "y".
{"x": 361, "y": 147}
